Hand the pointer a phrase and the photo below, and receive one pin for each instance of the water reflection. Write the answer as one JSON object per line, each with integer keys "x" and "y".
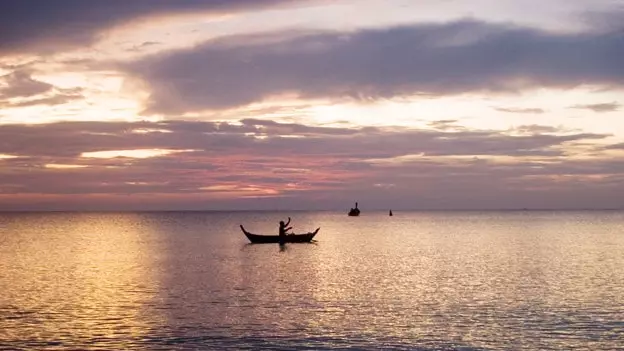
{"x": 431, "y": 281}
{"x": 79, "y": 278}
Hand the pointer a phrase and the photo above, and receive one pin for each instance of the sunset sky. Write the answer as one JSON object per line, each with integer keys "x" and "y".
{"x": 311, "y": 104}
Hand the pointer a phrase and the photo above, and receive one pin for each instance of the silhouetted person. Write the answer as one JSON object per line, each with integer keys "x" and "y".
{"x": 283, "y": 229}
{"x": 390, "y": 214}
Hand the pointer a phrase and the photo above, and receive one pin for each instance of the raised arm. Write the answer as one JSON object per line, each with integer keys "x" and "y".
{"x": 287, "y": 223}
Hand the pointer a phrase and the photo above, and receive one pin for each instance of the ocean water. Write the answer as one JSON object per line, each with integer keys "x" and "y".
{"x": 525, "y": 280}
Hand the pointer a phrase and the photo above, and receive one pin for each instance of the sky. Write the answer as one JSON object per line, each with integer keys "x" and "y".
{"x": 311, "y": 104}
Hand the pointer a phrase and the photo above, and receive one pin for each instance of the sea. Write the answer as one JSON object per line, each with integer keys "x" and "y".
{"x": 506, "y": 280}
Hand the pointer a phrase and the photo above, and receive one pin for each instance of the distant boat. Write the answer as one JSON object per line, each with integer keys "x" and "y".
{"x": 390, "y": 214}
{"x": 354, "y": 212}
{"x": 274, "y": 239}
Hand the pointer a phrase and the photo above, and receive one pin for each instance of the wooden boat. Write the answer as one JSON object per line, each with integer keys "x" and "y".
{"x": 274, "y": 239}
{"x": 354, "y": 212}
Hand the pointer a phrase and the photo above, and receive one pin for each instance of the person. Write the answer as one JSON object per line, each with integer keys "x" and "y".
{"x": 283, "y": 230}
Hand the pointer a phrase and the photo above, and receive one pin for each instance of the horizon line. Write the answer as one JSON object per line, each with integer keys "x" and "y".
{"x": 314, "y": 210}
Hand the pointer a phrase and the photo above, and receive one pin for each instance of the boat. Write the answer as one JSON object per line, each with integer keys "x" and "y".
{"x": 354, "y": 212}
{"x": 274, "y": 239}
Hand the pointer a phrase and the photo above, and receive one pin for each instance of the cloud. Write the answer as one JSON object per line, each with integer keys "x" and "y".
{"x": 149, "y": 43}
{"x": 605, "y": 20}
{"x": 303, "y": 165}
{"x": 264, "y": 140}
{"x": 438, "y": 59}
{"x": 30, "y": 92}
{"x": 604, "y": 107}
{"x": 519, "y": 110}
{"x": 537, "y": 129}
{"x": 21, "y": 84}
{"x": 269, "y": 140}
{"x": 41, "y": 25}
{"x": 619, "y": 146}
{"x": 58, "y": 99}
{"x": 144, "y": 45}
{"x": 446, "y": 125}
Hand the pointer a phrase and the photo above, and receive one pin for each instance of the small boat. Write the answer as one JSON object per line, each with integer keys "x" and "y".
{"x": 274, "y": 239}
{"x": 354, "y": 212}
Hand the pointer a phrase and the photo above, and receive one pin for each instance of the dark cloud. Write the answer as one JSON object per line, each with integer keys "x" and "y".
{"x": 519, "y": 110}
{"x": 422, "y": 59}
{"x": 420, "y": 184}
{"x": 537, "y": 129}
{"x": 619, "y": 146}
{"x": 21, "y": 84}
{"x": 261, "y": 138}
{"x": 258, "y": 158}
{"x": 58, "y": 99}
{"x": 43, "y": 25}
{"x": 604, "y": 107}
{"x": 273, "y": 127}
{"x": 606, "y": 21}
{"x": 446, "y": 124}
{"x": 149, "y": 43}
{"x": 142, "y": 46}
{"x": 311, "y": 166}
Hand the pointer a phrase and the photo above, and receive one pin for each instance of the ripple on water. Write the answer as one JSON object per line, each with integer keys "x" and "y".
{"x": 423, "y": 281}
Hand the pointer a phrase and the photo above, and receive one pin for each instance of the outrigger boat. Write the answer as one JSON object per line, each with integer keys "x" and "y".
{"x": 274, "y": 239}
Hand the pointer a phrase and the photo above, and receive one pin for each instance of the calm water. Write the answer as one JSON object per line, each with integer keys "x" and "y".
{"x": 417, "y": 281}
